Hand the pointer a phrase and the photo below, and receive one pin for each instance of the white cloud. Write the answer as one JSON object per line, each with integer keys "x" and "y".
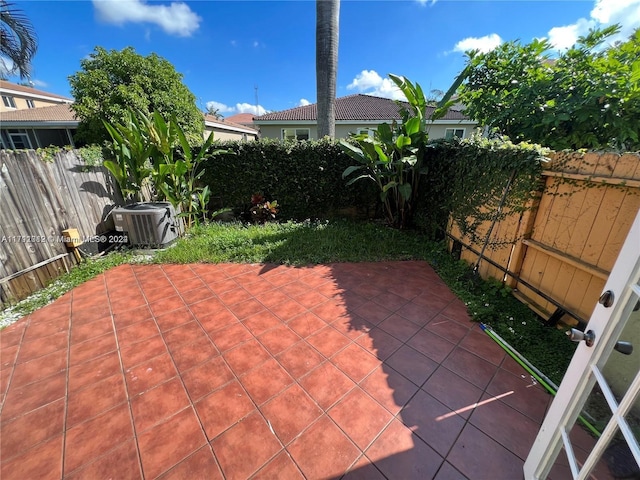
{"x": 427, "y": 2}
{"x": 248, "y": 108}
{"x": 483, "y": 44}
{"x": 219, "y": 107}
{"x": 565, "y": 37}
{"x": 175, "y": 19}
{"x": 237, "y": 108}
{"x": 39, "y": 83}
{"x": 369, "y": 82}
{"x": 603, "y": 14}
{"x": 303, "y": 102}
{"x": 256, "y": 44}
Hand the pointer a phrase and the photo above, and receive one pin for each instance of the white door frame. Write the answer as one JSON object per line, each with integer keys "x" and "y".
{"x": 584, "y": 371}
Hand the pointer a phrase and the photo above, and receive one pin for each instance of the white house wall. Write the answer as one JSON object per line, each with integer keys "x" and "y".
{"x": 343, "y": 130}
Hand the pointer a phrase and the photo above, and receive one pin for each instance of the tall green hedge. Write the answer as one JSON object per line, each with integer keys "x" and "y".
{"x": 304, "y": 177}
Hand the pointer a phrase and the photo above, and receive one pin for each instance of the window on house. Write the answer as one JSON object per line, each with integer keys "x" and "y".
{"x": 30, "y": 103}
{"x": 367, "y": 131}
{"x": 19, "y": 139}
{"x": 8, "y": 101}
{"x": 295, "y": 134}
{"x": 449, "y": 133}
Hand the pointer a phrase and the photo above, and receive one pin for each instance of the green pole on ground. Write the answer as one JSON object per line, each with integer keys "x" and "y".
{"x": 519, "y": 359}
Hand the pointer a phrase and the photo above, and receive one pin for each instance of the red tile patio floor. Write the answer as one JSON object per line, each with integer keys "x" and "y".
{"x": 262, "y": 371}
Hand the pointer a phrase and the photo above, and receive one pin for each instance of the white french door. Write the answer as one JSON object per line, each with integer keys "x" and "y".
{"x": 605, "y": 372}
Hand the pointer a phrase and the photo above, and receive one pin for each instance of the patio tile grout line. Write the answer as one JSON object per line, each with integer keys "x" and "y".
{"x": 295, "y": 381}
{"x": 15, "y": 363}
{"x": 66, "y": 392}
{"x": 123, "y": 372}
{"x": 456, "y": 345}
{"x": 467, "y": 421}
{"x": 192, "y": 404}
{"x": 237, "y": 379}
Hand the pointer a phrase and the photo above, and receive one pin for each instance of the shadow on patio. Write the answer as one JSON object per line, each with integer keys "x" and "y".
{"x": 262, "y": 371}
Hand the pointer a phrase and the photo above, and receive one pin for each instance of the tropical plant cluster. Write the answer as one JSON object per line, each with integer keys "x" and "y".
{"x": 418, "y": 181}
{"x": 148, "y": 150}
{"x": 394, "y": 158}
{"x": 306, "y": 179}
{"x": 586, "y": 97}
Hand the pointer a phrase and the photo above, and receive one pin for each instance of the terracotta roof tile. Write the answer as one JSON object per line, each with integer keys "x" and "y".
{"x": 241, "y": 118}
{"x": 226, "y": 122}
{"x": 353, "y": 107}
{"x": 32, "y": 91}
{"x": 54, "y": 113}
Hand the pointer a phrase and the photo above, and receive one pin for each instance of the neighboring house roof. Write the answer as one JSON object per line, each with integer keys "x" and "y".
{"x": 241, "y": 118}
{"x": 15, "y": 89}
{"x": 353, "y": 108}
{"x": 213, "y": 122}
{"x": 63, "y": 115}
{"x": 55, "y": 115}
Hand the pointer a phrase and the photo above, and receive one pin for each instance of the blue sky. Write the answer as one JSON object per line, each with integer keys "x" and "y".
{"x": 225, "y": 49}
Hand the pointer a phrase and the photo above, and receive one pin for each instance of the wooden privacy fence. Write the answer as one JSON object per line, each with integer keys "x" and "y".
{"x": 558, "y": 254}
{"x": 38, "y": 200}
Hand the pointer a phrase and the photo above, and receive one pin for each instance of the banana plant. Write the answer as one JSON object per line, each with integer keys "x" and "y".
{"x": 145, "y": 148}
{"x": 394, "y": 158}
{"x": 130, "y": 155}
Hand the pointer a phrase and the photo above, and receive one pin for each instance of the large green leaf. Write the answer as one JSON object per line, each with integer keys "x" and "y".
{"x": 405, "y": 191}
{"x": 180, "y": 168}
{"x": 389, "y": 186}
{"x": 381, "y": 155}
{"x": 349, "y": 170}
{"x": 402, "y": 142}
{"x": 354, "y": 180}
{"x": 353, "y": 151}
{"x": 384, "y": 133}
{"x": 412, "y": 126}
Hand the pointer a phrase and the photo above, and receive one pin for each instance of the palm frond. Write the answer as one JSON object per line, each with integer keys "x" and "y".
{"x": 18, "y": 39}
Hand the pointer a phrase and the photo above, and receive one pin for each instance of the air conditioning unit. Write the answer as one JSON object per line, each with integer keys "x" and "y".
{"x": 152, "y": 224}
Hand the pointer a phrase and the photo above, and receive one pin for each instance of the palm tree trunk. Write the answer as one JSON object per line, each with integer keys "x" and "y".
{"x": 327, "y": 15}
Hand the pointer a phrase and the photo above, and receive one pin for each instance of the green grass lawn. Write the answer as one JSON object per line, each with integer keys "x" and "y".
{"x": 296, "y": 244}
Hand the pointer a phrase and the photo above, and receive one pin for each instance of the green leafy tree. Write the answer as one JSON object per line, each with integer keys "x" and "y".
{"x": 111, "y": 82}
{"x": 586, "y": 97}
{"x": 18, "y": 40}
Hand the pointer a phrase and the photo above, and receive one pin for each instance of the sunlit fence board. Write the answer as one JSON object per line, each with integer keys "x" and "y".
{"x": 577, "y": 229}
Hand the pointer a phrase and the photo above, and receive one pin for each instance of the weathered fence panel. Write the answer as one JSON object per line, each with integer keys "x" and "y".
{"x": 38, "y": 200}
{"x": 558, "y": 255}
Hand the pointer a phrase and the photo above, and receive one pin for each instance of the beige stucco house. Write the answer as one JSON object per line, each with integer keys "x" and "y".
{"x": 38, "y": 127}
{"x": 31, "y": 118}
{"x": 226, "y": 130}
{"x": 354, "y": 114}
{"x": 21, "y": 97}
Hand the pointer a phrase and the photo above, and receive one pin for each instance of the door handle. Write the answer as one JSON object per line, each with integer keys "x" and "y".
{"x": 626, "y": 348}
{"x": 576, "y": 335}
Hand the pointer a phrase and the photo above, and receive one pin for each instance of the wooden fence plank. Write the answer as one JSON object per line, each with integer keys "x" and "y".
{"x": 575, "y": 216}
{"x": 43, "y": 198}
